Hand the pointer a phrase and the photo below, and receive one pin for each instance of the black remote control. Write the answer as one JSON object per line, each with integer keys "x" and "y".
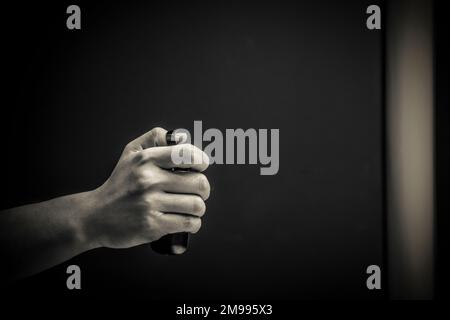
{"x": 176, "y": 243}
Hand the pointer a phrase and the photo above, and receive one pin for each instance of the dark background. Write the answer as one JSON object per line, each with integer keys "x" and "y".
{"x": 73, "y": 99}
{"x": 442, "y": 143}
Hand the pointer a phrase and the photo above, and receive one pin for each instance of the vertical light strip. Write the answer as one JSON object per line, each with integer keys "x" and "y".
{"x": 409, "y": 116}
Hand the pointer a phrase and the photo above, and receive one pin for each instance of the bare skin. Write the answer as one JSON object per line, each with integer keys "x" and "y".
{"x": 139, "y": 203}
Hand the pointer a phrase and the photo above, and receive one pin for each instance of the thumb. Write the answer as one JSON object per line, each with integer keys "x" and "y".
{"x": 154, "y": 138}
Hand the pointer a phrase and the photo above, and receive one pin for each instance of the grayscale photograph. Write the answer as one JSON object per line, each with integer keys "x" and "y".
{"x": 224, "y": 159}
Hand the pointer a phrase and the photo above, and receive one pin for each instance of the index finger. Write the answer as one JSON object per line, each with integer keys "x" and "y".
{"x": 183, "y": 156}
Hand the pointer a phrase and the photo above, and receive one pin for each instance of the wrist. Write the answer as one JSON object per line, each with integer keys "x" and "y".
{"x": 89, "y": 205}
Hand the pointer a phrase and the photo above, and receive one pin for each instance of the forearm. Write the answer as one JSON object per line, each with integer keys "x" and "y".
{"x": 38, "y": 236}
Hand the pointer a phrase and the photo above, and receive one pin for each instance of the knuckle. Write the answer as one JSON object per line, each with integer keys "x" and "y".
{"x": 130, "y": 146}
{"x": 151, "y": 219}
{"x": 149, "y": 156}
{"x": 139, "y": 178}
{"x": 205, "y": 160}
{"x": 152, "y": 133}
{"x": 203, "y": 186}
{"x": 148, "y": 178}
{"x": 157, "y": 134}
{"x": 152, "y": 226}
{"x": 187, "y": 223}
{"x": 192, "y": 224}
{"x": 156, "y": 130}
{"x": 198, "y": 206}
{"x": 155, "y": 215}
{"x": 152, "y": 200}
{"x": 196, "y": 225}
{"x": 158, "y": 179}
{"x": 141, "y": 184}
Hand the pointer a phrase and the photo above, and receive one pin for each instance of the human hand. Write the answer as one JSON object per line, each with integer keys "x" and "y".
{"x": 143, "y": 199}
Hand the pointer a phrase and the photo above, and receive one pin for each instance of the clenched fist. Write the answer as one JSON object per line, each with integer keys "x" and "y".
{"x": 144, "y": 199}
